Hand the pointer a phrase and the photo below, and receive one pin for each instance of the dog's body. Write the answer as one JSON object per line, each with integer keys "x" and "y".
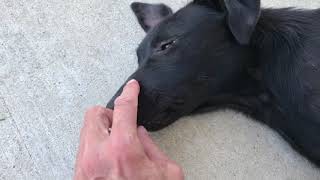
{"x": 289, "y": 60}
{"x": 268, "y": 68}
{"x": 286, "y": 95}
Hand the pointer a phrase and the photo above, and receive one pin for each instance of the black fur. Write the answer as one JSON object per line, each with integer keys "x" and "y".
{"x": 201, "y": 58}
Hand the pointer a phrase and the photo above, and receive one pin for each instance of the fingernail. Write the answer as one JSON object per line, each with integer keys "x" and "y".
{"x": 131, "y": 81}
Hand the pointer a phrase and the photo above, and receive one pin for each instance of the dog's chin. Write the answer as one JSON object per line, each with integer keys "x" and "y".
{"x": 158, "y": 121}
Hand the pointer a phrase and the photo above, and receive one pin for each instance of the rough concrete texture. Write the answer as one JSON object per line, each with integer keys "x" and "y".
{"x": 58, "y": 57}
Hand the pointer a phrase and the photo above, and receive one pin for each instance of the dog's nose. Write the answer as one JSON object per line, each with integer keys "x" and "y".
{"x": 110, "y": 104}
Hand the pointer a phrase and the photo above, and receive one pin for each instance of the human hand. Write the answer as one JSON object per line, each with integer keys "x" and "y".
{"x": 125, "y": 153}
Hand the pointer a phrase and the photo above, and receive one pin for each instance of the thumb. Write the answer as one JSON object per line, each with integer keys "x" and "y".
{"x": 150, "y": 148}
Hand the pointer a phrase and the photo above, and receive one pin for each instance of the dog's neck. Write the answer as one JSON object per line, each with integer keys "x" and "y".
{"x": 251, "y": 99}
{"x": 280, "y": 27}
{"x": 278, "y": 31}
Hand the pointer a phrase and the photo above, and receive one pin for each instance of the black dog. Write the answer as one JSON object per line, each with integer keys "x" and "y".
{"x": 232, "y": 53}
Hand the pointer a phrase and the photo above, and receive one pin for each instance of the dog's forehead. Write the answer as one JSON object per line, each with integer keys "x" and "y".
{"x": 185, "y": 20}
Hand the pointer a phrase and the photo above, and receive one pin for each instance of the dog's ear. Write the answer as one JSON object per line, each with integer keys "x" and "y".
{"x": 242, "y": 16}
{"x": 149, "y": 15}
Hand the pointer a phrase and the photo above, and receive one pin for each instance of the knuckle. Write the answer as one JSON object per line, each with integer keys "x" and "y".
{"x": 126, "y": 152}
{"x": 95, "y": 110}
{"x": 125, "y": 101}
{"x": 93, "y": 113}
{"x": 131, "y": 157}
{"x": 118, "y": 146}
{"x": 127, "y": 156}
{"x": 124, "y": 144}
{"x": 123, "y": 154}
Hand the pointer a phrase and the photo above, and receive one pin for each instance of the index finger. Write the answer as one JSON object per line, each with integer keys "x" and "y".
{"x": 125, "y": 110}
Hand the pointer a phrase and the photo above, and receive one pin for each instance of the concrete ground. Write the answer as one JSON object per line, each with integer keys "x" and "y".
{"x": 58, "y": 57}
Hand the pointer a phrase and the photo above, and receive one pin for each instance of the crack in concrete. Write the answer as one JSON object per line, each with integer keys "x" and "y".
{"x": 6, "y": 114}
{"x": 19, "y": 132}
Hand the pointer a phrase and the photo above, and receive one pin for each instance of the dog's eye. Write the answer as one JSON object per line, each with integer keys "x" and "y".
{"x": 166, "y": 45}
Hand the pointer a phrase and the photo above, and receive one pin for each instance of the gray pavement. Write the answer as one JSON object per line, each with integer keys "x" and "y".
{"x": 58, "y": 57}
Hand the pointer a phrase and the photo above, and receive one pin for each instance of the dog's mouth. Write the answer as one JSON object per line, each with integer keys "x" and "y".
{"x": 156, "y": 110}
{"x": 158, "y": 121}
{"x": 156, "y": 117}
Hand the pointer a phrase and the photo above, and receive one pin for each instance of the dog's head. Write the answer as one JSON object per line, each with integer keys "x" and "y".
{"x": 190, "y": 56}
